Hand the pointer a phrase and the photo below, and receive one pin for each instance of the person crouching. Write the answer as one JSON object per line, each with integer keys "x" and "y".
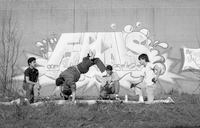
{"x": 110, "y": 88}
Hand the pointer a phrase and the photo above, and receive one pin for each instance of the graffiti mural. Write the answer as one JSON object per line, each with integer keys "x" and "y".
{"x": 191, "y": 59}
{"x": 120, "y": 49}
{"x": 192, "y": 64}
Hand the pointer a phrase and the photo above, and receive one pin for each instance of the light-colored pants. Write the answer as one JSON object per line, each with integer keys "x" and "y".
{"x": 149, "y": 91}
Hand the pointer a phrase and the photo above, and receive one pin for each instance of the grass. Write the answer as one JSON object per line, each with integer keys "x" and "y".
{"x": 183, "y": 114}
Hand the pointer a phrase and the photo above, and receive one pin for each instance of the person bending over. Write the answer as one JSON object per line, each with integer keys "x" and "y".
{"x": 68, "y": 78}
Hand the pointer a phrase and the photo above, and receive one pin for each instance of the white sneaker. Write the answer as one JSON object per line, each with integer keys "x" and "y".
{"x": 170, "y": 100}
{"x": 117, "y": 98}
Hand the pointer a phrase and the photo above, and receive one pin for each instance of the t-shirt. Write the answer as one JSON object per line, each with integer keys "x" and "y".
{"x": 113, "y": 77}
{"x": 32, "y": 73}
{"x": 148, "y": 73}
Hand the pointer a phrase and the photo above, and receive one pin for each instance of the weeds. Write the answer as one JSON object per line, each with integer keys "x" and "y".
{"x": 185, "y": 112}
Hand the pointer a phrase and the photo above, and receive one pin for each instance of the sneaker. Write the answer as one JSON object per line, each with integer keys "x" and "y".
{"x": 64, "y": 96}
{"x": 117, "y": 98}
{"x": 170, "y": 100}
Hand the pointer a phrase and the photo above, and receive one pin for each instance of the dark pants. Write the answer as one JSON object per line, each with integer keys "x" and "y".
{"x": 108, "y": 90}
{"x": 29, "y": 88}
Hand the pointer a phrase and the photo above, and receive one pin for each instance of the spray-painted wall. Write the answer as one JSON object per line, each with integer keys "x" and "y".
{"x": 115, "y": 27}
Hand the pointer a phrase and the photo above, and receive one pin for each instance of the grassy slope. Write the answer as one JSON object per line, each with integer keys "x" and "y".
{"x": 184, "y": 113}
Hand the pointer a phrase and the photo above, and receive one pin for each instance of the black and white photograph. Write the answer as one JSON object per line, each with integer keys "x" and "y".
{"x": 99, "y": 63}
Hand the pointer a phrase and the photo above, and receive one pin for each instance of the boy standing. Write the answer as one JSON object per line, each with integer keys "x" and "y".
{"x": 150, "y": 76}
{"x": 30, "y": 79}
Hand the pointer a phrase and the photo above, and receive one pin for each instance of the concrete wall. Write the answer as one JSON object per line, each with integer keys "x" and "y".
{"x": 172, "y": 21}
